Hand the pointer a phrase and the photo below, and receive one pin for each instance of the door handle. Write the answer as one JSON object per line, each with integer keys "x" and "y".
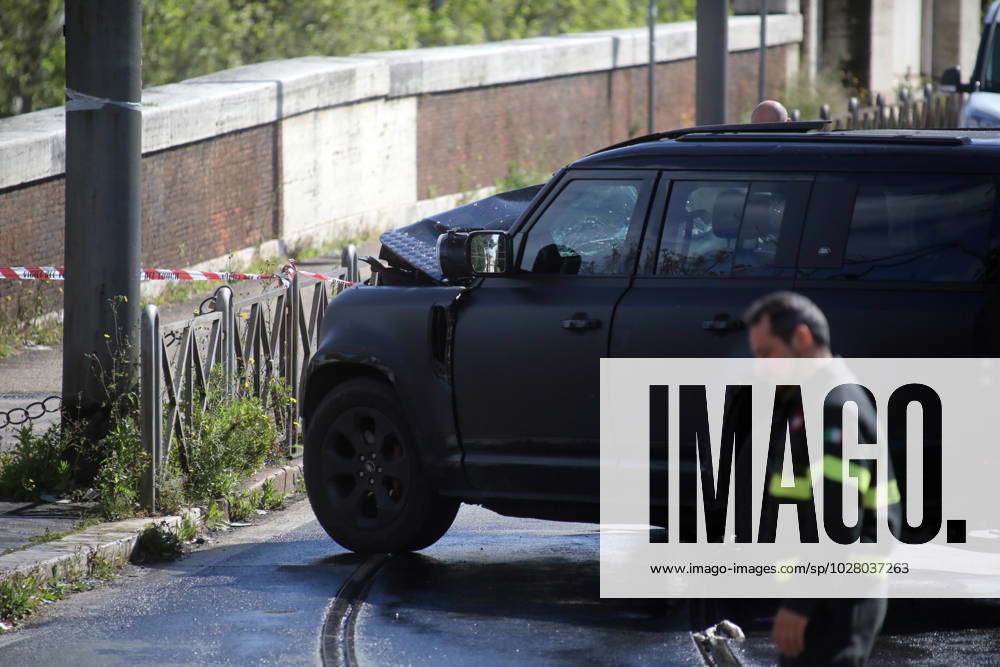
{"x": 580, "y": 321}
{"x": 722, "y": 323}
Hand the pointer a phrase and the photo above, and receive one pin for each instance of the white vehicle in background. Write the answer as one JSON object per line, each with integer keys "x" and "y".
{"x": 983, "y": 106}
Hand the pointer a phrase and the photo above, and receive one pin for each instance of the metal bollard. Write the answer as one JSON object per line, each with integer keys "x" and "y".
{"x": 151, "y": 352}
{"x": 349, "y": 259}
{"x": 223, "y": 302}
{"x": 824, "y": 112}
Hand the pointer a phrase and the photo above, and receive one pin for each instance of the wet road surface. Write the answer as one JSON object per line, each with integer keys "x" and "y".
{"x": 497, "y": 590}
{"x": 257, "y": 595}
{"x": 493, "y": 591}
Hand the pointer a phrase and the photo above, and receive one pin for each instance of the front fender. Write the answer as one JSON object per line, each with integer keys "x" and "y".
{"x": 388, "y": 332}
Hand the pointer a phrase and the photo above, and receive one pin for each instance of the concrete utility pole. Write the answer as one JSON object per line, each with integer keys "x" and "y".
{"x": 762, "y": 65}
{"x": 712, "y": 49}
{"x": 103, "y": 155}
{"x": 651, "y": 102}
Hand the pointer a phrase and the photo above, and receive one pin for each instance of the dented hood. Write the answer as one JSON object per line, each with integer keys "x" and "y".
{"x": 415, "y": 245}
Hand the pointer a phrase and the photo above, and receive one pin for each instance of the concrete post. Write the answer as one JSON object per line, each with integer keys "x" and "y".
{"x": 712, "y": 49}
{"x": 956, "y": 36}
{"x": 762, "y": 54}
{"x": 103, "y": 160}
{"x": 810, "y": 39}
{"x": 651, "y": 92}
{"x": 927, "y": 38}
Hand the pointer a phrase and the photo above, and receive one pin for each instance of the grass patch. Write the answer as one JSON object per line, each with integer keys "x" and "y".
{"x": 25, "y": 308}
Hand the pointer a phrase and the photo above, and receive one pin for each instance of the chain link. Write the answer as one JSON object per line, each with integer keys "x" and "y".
{"x": 31, "y": 412}
{"x": 170, "y": 337}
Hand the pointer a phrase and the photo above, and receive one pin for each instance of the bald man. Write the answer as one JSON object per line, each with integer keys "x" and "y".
{"x": 769, "y": 111}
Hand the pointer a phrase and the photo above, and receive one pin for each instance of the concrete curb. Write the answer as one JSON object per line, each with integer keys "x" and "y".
{"x": 284, "y": 479}
{"x": 72, "y": 556}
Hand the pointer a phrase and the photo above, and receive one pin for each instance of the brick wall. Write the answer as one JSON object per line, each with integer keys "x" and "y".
{"x": 316, "y": 149}
{"x": 467, "y": 138}
{"x": 208, "y": 199}
{"x": 198, "y": 201}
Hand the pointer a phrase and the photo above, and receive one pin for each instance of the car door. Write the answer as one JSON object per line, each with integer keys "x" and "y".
{"x": 527, "y": 346}
{"x": 899, "y": 263}
{"x": 720, "y": 242}
{"x": 725, "y": 240}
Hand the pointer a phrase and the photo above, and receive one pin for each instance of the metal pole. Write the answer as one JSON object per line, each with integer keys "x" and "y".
{"x": 292, "y": 360}
{"x": 712, "y": 54}
{"x": 349, "y": 259}
{"x": 152, "y": 410}
{"x": 651, "y": 101}
{"x": 224, "y": 303}
{"x": 762, "y": 65}
{"x": 102, "y": 201}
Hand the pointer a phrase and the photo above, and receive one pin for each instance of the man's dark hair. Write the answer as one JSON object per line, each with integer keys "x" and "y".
{"x": 787, "y": 310}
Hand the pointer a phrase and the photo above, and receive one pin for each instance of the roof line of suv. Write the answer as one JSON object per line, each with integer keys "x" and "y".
{"x": 796, "y": 126}
{"x": 808, "y": 131}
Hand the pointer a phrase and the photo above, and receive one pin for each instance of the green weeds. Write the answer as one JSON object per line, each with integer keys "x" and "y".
{"x": 156, "y": 544}
{"x": 20, "y": 595}
{"x": 521, "y": 175}
{"x": 35, "y": 465}
{"x": 229, "y": 438}
{"x": 25, "y": 307}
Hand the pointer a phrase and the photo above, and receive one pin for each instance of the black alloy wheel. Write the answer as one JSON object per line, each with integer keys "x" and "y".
{"x": 364, "y": 475}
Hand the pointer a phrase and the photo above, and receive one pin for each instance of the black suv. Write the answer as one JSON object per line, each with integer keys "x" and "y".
{"x": 468, "y": 371}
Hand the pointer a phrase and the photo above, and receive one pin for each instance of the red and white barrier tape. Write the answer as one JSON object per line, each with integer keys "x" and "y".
{"x": 320, "y": 276}
{"x": 32, "y": 272}
{"x": 59, "y": 273}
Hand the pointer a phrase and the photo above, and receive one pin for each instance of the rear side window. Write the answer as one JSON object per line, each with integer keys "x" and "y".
{"x": 718, "y": 229}
{"x": 923, "y": 227}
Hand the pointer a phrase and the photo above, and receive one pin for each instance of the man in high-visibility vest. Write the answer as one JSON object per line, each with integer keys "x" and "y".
{"x": 821, "y": 631}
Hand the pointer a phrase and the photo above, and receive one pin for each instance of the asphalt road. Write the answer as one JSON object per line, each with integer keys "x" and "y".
{"x": 494, "y": 591}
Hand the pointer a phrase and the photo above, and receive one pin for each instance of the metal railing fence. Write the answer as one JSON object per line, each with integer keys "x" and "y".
{"x": 246, "y": 344}
{"x": 934, "y": 110}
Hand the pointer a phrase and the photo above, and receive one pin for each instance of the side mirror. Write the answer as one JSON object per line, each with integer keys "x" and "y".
{"x": 951, "y": 81}
{"x": 489, "y": 253}
{"x": 472, "y": 254}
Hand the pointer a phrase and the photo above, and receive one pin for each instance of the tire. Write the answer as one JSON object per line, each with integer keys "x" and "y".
{"x": 364, "y": 476}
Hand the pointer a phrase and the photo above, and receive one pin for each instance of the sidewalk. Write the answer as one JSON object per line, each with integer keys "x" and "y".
{"x": 34, "y": 374}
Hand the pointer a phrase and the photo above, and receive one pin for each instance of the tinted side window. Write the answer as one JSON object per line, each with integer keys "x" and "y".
{"x": 583, "y": 231}
{"x": 924, "y": 227}
{"x": 731, "y": 228}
